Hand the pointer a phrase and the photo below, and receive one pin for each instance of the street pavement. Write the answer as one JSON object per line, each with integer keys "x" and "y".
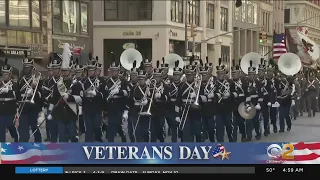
{"x": 304, "y": 129}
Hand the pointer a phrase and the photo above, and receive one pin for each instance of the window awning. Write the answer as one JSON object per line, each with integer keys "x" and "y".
{"x": 16, "y": 63}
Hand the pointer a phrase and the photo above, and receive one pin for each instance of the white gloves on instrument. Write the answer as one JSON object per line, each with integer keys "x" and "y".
{"x": 65, "y": 96}
{"x": 157, "y": 95}
{"x": 92, "y": 93}
{"x": 193, "y": 95}
{"x": 269, "y": 104}
{"x": 293, "y": 103}
{"x": 178, "y": 119}
{"x": 258, "y": 107}
{"x": 248, "y": 108}
{"x": 4, "y": 90}
{"x": 49, "y": 117}
{"x": 125, "y": 115}
{"x": 80, "y": 110}
{"x": 211, "y": 95}
{"x": 29, "y": 92}
{"x": 226, "y": 95}
{"x": 115, "y": 91}
{"x": 277, "y": 104}
{"x": 144, "y": 102}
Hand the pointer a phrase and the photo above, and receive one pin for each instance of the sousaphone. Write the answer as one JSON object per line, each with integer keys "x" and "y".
{"x": 128, "y": 57}
{"x": 242, "y": 109}
{"x": 289, "y": 64}
{"x": 245, "y": 61}
{"x": 171, "y": 59}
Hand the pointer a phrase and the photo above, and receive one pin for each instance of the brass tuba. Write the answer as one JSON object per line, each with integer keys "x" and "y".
{"x": 289, "y": 64}
{"x": 171, "y": 61}
{"x": 245, "y": 61}
{"x": 128, "y": 57}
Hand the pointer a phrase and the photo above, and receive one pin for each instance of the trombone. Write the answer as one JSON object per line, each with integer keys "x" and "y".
{"x": 148, "y": 113}
{"x": 195, "y": 104}
{"x": 34, "y": 80}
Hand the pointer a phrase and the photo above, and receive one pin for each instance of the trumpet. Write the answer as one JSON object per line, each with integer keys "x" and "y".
{"x": 116, "y": 85}
{"x": 195, "y": 104}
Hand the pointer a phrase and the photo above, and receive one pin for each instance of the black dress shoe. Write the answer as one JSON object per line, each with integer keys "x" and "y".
{"x": 275, "y": 129}
{"x": 258, "y": 137}
{"x": 281, "y": 130}
{"x": 288, "y": 128}
{"x": 266, "y": 133}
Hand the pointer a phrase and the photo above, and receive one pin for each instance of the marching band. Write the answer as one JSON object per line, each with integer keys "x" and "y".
{"x": 197, "y": 106}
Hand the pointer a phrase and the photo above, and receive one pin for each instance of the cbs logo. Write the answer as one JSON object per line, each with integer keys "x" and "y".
{"x": 275, "y": 151}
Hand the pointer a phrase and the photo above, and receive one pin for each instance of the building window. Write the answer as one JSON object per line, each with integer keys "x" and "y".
{"x": 70, "y": 16}
{"x": 177, "y": 11}
{"x": 57, "y": 16}
{"x": 19, "y": 13}
{"x": 210, "y": 16}
{"x": 287, "y": 16}
{"x": 255, "y": 12}
{"x": 249, "y": 9}
{"x": 224, "y": 19}
{"x": 84, "y": 18}
{"x": 35, "y": 7}
{"x": 243, "y": 11}
{"x": 194, "y": 12}
{"x": 225, "y": 55}
{"x": 122, "y": 10}
{"x": 237, "y": 13}
{"x": 3, "y": 10}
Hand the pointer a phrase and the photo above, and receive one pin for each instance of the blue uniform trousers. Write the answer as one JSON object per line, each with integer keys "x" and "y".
{"x": 208, "y": 123}
{"x": 5, "y": 122}
{"x": 141, "y": 128}
{"x": 27, "y": 120}
{"x": 253, "y": 123}
{"x": 131, "y": 125}
{"x": 192, "y": 128}
{"x": 171, "y": 119}
{"x": 157, "y": 128}
{"x": 82, "y": 128}
{"x": 266, "y": 120}
{"x": 224, "y": 122}
{"x": 93, "y": 125}
{"x": 273, "y": 118}
{"x": 53, "y": 126}
{"x": 114, "y": 124}
{"x": 284, "y": 117}
{"x": 239, "y": 123}
{"x": 121, "y": 132}
{"x": 67, "y": 131}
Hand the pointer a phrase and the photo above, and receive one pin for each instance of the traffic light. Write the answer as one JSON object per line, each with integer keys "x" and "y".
{"x": 238, "y": 3}
{"x": 193, "y": 30}
{"x": 262, "y": 37}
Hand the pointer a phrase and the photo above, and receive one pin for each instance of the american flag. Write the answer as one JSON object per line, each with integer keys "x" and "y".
{"x": 304, "y": 153}
{"x": 279, "y": 45}
{"x": 217, "y": 151}
{"x": 32, "y": 153}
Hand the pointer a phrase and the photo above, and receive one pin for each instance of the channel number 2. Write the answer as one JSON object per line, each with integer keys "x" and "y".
{"x": 287, "y": 150}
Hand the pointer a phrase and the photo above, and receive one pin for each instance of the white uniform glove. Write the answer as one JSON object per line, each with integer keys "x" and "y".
{"x": 276, "y": 104}
{"x": 115, "y": 91}
{"x": 226, "y": 95}
{"x": 248, "y": 109}
{"x": 157, "y": 95}
{"x": 269, "y": 104}
{"x": 178, "y": 119}
{"x": 293, "y": 103}
{"x": 125, "y": 115}
{"x": 144, "y": 102}
{"x": 65, "y": 96}
{"x": 192, "y": 95}
{"x": 298, "y": 98}
{"x": 258, "y": 107}
{"x": 317, "y": 98}
{"x": 211, "y": 95}
{"x": 29, "y": 92}
{"x": 4, "y": 90}
{"x": 49, "y": 117}
{"x": 92, "y": 93}
{"x": 45, "y": 111}
{"x": 80, "y": 110}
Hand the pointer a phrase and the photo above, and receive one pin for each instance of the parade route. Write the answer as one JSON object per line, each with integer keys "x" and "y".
{"x": 304, "y": 129}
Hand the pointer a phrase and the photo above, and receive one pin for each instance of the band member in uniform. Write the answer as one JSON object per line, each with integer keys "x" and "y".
{"x": 241, "y": 87}
{"x": 115, "y": 94}
{"x": 147, "y": 64}
{"x": 140, "y": 97}
{"x": 189, "y": 94}
{"x": 272, "y": 84}
{"x": 207, "y": 110}
{"x": 312, "y": 92}
{"x": 78, "y": 69}
{"x": 265, "y": 100}
{"x": 297, "y": 97}
{"x": 285, "y": 92}
{"x": 225, "y": 95}
{"x": 67, "y": 94}
{"x": 8, "y": 102}
{"x": 255, "y": 97}
{"x": 92, "y": 103}
{"x": 303, "y": 84}
{"x": 165, "y": 70}
{"x": 133, "y": 82}
{"x": 125, "y": 113}
{"x": 161, "y": 94}
{"x": 173, "y": 106}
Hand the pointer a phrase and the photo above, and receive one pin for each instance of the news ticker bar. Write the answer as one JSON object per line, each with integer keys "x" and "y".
{"x": 134, "y": 170}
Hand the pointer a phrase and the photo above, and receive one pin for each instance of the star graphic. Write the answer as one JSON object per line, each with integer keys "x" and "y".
{"x": 3, "y": 150}
{"x": 8, "y": 143}
{"x": 36, "y": 145}
{"x": 225, "y": 155}
{"x": 20, "y": 148}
